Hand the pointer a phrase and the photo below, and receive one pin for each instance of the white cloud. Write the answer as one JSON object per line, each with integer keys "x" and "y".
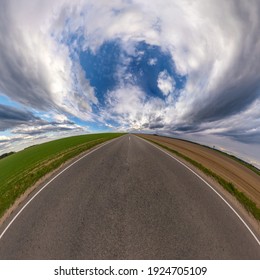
{"x": 4, "y": 138}
{"x": 129, "y": 107}
{"x": 215, "y": 44}
{"x": 47, "y": 128}
{"x": 25, "y": 135}
{"x": 59, "y": 117}
{"x": 152, "y": 61}
{"x": 165, "y": 83}
{"x": 36, "y": 65}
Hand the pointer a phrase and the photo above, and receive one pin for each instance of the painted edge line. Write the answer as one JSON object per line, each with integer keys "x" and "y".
{"x": 212, "y": 188}
{"x": 44, "y": 186}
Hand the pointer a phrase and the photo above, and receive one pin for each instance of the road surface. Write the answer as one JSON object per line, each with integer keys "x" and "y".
{"x": 244, "y": 179}
{"x": 127, "y": 200}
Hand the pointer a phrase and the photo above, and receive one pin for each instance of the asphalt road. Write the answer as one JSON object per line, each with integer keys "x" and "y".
{"x": 127, "y": 200}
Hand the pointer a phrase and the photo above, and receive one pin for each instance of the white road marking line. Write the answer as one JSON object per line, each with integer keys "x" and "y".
{"x": 240, "y": 218}
{"x": 42, "y": 188}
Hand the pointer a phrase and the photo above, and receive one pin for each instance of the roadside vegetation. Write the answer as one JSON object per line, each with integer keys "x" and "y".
{"x": 248, "y": 204}
{"x": 246, "y": 164}
{"x": 6, "y": 155}
{"x": 23, "y": 169}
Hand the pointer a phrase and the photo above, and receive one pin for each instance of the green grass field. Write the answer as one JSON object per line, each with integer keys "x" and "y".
{"x": 21, "y": 170}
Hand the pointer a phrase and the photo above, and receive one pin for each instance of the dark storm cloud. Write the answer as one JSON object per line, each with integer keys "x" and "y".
{"x": 156, "y": 125}
{"x": 24, "y": 122}
{"x": 251, "y": 137}
{"x": 37, "y": 66}
{"x": 155, "y": 122}
{"x": 46, "y": 127}
{"x": 11, "y": 117}
{"x": 227, "y": 102}
{"x": 186, "y": 128}
{"x": 238, "y": 84}
{"x": 20, "y": 79}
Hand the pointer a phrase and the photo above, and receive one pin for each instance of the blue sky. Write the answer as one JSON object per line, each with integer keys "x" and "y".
{"x": 188, "y": 69}
{"x": 144, "y": 66}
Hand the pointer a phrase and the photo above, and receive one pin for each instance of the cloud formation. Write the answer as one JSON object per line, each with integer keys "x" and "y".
{"x": 37, "y": 70}
{"x": 165, "y": 83}
{"x": 11, "y": 117}
{"x": 176, "y": 67}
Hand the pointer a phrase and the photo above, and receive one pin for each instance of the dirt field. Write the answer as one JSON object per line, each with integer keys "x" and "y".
{"x": 232, "y": 171}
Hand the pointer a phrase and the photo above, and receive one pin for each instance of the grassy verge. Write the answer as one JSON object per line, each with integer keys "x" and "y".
{"x": 248, "y": 204}
{"x": 21, "y": 170}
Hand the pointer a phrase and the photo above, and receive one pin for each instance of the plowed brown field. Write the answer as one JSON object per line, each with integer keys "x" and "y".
{"x": 229, "y": 169}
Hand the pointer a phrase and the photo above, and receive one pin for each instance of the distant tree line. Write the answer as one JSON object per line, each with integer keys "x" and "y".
{"x": 6, "y": 155}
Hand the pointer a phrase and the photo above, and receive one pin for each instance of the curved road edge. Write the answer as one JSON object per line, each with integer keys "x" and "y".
{"x": 29, "y": 199}
{"x": 6, "y": 220}
{"x": 245, "y": 219}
